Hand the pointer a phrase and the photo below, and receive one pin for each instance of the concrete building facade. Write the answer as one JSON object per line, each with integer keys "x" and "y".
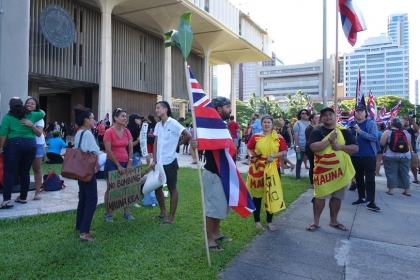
{"x": 278, "y": 81}
{"x": 116, "y": 55}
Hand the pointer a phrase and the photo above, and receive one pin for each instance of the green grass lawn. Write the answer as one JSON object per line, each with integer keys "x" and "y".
{"x": 47, "y": 246}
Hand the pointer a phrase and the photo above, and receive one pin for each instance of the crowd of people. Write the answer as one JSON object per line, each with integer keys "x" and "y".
{"x": 335, "y": 155}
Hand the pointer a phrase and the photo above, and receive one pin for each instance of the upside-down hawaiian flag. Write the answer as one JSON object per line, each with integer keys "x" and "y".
{"x": 360, "y": 96}
{"x": 351, "y": 19}
{"x": 372, "y": 107}
{"x": 394, "y": 111}
{"x": 213, "y": 135}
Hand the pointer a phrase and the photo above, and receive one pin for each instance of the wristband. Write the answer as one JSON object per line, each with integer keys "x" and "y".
{"x": 331, "y": 141}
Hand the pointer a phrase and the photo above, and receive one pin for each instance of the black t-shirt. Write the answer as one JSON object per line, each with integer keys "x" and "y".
{"x": 285, "y": 133}
{"x": 150, "y": 131}
{"x": 210, "y": 162}
{"x": 413, "y": 139}
{"x": 319, "y": 134}
{"x": 135, "y": 132}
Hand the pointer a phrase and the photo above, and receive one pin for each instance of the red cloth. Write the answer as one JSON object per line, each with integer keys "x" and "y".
{"x": 233, "y": 129}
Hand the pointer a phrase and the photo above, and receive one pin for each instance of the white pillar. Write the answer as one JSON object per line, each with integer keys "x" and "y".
{"x": 167, "y": 76}
{"x": 182, "y": 110}
{"x": 14, "y": 52}
{"x": 233, "y": 88}
{"x": 206, "y": 77}
{"x": 105, "y": 81}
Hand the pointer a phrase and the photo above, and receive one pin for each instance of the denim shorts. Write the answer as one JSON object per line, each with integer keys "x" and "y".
{"x": 110, "y": 166}
{"x": 40, "y": 150}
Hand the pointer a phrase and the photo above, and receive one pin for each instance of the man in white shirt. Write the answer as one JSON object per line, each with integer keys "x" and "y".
{"x": 167, "y": 133}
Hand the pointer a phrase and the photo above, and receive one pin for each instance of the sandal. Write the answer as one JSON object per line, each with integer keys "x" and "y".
{"x": 18, "y": 200}
{"x": 407, "y": 194}
{"x": 312, "y": 227}
{"x": 5, "y": 205}
{"x": 339, "y": 226}
{"x": 216, "y": 248}
{"x": 271, "y": 227}
{"x": 259, "y": 226}
{"x": 86, "y": 237}
{"x": 292, "y": 168}
{"x": 224, "y": 238}
{"x": 37, "y": 197}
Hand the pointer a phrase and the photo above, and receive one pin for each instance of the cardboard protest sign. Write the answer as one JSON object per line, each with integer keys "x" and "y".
{"x": 124, "y": 189}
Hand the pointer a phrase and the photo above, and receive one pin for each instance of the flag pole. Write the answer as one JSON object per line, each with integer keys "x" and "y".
{"x": 336, "y": 62}
{"x": 187, "y": 74}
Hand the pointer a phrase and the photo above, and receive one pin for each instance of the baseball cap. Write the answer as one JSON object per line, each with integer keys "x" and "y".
{"x": 135, "y": 116}
{"x": 328, "y": 109}
{"x": 220, "y": 101}
{"x": 360, "y": 107}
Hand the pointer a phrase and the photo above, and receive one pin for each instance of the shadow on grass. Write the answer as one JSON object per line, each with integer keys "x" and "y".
{"x": 47, "y": 246}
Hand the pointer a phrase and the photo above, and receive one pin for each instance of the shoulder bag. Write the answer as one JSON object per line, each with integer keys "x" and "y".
{"x": 79, "y": 165}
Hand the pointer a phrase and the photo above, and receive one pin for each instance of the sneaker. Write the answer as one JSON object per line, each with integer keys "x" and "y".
{"x": 128, "y": 216}
{"x": 136, "y": 205}
{"x": 372, "y": 206}
{"x": 108, "y": 218}
{"x": 359, "y": 201}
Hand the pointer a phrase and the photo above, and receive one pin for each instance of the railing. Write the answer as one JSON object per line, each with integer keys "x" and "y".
{"x": 230, "y": 16}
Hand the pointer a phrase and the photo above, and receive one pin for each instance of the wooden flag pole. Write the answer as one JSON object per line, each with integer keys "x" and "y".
{"x": 187, "y": 75}
{"x": 336, "y": 63}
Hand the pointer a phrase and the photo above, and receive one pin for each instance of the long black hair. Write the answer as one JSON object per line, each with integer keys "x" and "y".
{"x": 37, "y": 106}
{"x": 81, "y": 114}
{"x": 152, "y": 119}
{"x": 17, "y": 109}
{"x": 166, "y": 105}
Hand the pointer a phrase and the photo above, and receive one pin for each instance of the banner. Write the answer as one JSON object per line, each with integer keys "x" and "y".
{"x": 124, "y": 189}
{"x": 143, "y": 139}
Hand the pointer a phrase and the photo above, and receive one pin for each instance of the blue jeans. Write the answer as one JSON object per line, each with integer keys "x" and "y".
{"x": 19, "y": 153}
{"x": 136, "y": 159}
{"x": 110, "y": 166}
{"x": 88, "y": 198}
{"x": 299, "y": 163}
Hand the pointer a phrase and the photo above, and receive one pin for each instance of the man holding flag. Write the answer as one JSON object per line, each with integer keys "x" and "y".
{"x": 215, "y": 202}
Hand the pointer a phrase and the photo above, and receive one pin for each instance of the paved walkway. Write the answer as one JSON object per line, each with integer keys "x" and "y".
{"x": 378, "y": 245}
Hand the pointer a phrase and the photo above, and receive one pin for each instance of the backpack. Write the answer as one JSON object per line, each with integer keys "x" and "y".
{"x": 52, "y": 181}
{"x": 398, "y": 142}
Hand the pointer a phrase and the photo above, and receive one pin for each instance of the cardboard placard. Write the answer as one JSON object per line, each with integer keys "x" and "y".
{"x": 124, "y": 189}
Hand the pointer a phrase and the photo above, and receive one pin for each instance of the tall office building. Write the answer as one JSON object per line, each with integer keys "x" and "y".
{"x": 398, "y": 29}
{"x": 383, "y": 62}
{"x": 247, "y": 81}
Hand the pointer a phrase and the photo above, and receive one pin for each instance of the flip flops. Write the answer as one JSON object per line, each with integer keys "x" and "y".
{"x": 216, "y": 248}
{"x": 312, "y": 227}
{"x": 339, "y": 227}
{"x": 224, "y": 238}
{"x": 5, "y": 205}
{"x": 21, "y": 201}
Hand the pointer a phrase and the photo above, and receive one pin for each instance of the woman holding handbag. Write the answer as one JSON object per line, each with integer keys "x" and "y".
{"x": 88, "y": 191}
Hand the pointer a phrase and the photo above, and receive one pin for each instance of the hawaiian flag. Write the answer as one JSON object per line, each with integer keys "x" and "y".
{"x": 372, "y": 107}
{"x": 360, "y": 96}
{"x": 395, "y": 110}
{"x": 213, "y": 135}
{"x": 351, "y": 19}
{"x": 383, "y": 111}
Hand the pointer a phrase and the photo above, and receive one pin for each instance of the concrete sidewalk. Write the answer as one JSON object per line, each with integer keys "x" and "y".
{"x": 377, "y": 245}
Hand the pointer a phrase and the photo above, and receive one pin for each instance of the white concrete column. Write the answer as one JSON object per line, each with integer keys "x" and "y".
{"x": 233, "y": 88}
{"x": 105, "y": 80}
{"x": 167, "y": 76}
{"x": 182, "y": 110}
{"x": 206, "y": 74}
{"x": 14, "y": 52}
